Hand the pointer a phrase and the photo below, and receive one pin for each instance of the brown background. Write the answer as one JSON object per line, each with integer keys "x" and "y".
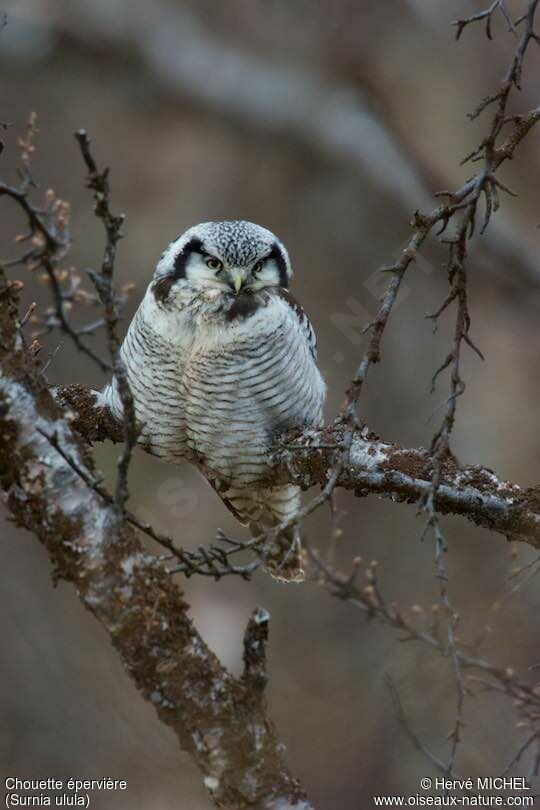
{"x": 328, "y": 122}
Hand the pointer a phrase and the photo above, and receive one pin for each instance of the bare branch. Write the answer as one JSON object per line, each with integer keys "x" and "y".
{"x": 413, "y": 737}
{"x": 486, "y": 15}
{"x": 254, "y": 93}
{"x": 51, "y": 240}
{"x": 371, "y": 601}
{"x": 99, "y": 183}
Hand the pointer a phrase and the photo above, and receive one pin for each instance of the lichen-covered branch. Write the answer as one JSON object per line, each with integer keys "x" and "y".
{"x": 404, "y": 474}
{"x": 375, "y": 467}
{"x": 219, "y": 720}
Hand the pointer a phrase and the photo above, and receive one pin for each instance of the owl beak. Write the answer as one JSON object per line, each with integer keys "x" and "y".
{"x": 237, "y": 281}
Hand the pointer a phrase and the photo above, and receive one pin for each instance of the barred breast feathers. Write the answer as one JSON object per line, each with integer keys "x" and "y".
{"x": 219, "y": 389}
{"x": 248, "y": 380}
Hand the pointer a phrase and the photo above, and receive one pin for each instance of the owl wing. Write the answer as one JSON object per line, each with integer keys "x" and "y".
{"x": 153, "y": 353}
{"x": 302, "y": 318}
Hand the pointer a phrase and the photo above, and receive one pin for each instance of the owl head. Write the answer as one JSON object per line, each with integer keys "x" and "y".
{"x": 234, "y": 257}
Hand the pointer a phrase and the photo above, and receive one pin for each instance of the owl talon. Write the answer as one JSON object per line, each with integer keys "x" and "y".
{"x": 287, "y": 567}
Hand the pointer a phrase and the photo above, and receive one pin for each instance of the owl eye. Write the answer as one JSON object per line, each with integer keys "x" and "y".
{"x": 258, "y": 267}
{"x": 214, "y": 264}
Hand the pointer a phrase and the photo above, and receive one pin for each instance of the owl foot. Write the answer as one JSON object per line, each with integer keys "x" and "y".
{"x": 284, "y": 559}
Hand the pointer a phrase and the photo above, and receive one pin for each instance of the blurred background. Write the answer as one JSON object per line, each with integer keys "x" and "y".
{"x": 329, "y": 123}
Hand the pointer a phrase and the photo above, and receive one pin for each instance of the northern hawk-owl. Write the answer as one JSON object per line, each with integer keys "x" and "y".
{"x": 221, "y": 360}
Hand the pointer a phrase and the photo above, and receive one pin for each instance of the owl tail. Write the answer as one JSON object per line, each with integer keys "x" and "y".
{"x": 264, "y": 509}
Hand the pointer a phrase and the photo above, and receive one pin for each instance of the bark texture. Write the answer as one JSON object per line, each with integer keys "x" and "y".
{"x": 219, "y": 720}
{"x": 375, "y": 467}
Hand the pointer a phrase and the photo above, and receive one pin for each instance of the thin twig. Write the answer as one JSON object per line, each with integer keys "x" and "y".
{"x": 98, "y": 182}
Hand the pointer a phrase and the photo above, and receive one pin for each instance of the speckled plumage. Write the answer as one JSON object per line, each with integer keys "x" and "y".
{"x": 221, "y": 362}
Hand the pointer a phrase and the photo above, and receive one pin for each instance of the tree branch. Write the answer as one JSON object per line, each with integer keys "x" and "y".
{"x": 376, "y": 467}
{"x": 220, "y": 720}
{"x": 404, "y": 474}
{"x": 98, "y": 182}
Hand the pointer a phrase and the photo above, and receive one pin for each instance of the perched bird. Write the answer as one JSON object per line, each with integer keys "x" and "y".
{"x": 221, "y": 360}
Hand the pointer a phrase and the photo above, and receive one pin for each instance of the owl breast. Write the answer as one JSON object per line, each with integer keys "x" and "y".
{"x": 245, "y": 382}
{"x": 218, "y": 386}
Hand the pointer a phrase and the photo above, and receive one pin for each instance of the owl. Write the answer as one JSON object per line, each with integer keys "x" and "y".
{"x": 221, "y": 359}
